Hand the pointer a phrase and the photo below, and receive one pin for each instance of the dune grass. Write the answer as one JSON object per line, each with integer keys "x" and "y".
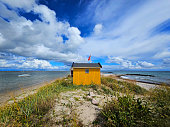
{"x": 151, "y": 108}
{"x": 31, "y": 110}
{"x": 126, "y": 111}
{"x": 123, "y": 86}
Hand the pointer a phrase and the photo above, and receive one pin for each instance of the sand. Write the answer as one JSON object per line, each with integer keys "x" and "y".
{"x": 76, "y": 104}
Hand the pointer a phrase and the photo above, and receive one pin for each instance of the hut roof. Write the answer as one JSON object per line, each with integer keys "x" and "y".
{"x": 84, "y": 65}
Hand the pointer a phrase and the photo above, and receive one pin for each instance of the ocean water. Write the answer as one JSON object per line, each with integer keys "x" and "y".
{"x": 17, "y": 80}
{"x": 14, "y": 80}
{"x": 156, "y": 77}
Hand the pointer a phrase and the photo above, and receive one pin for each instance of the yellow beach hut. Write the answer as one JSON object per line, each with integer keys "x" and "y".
{"x": 86, "y": 73}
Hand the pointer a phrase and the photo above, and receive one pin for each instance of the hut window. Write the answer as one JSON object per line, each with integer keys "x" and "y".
{"x": 86, "y": 70}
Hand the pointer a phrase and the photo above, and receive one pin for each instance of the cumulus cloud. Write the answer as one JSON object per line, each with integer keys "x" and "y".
{"x": 27, "y": 64}
{"x": 8, "y": 60}
{"x": 98, "y": 28}
{"x": 37, "y": 64}
{"x": 130, "y": 32}
{"x": 145, "y": 64}
{"x": 42, "y": 39}
{"x": 127, "y": 64}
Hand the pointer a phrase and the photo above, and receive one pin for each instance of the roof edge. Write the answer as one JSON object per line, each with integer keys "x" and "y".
{"x": 100, "y": 66}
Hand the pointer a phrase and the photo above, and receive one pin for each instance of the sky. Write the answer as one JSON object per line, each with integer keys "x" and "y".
{"x": 51, "y": 34}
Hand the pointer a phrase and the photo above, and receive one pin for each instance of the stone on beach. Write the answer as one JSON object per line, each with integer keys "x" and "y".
{"x": 95, "y": 102}
{"x": 91, "y": 94}
{"x": 89, "y": 97}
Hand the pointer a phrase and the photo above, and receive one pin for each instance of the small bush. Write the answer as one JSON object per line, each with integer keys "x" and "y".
{"x": 160, "y": 100}
{"x": 125, "y": 112}
{"x": 106, "y": 90}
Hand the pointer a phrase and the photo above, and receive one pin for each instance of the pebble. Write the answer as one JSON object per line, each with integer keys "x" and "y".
{"x": 95, "y": 102}
{"x": 91, "y": 94}
{"x": 89, "y": 97}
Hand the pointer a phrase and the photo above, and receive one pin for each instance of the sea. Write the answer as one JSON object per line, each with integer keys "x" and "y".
{"x": 153, "y": 77}
{"x": 14, "y": 80}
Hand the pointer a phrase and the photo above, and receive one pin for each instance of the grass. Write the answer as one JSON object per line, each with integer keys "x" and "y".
{"x": 160, "y": 101}
{"x": 126, "y": 111}
{"x": 123, "y": 86}
{"x": 150, "y": 109}
{"x": 30, "y": 110}
{"x": 153, "y": 109}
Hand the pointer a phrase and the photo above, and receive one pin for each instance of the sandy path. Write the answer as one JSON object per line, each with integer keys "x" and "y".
{"x": 77, "y": 105}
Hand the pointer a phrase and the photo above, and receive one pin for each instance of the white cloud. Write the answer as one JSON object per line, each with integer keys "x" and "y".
{"x": 39, "y": 39}
{"x": 37, "y": 64}
{"x": 162, "y": 54}
{"x": 20, "y": 63}
{"x": 110, "y": 67}
{"x": 124, "y": 63}
{"x": 26, "y": 4}
{"x": 128, "y": 33}
{"x": 127, "y": 64}
{"x": 1, "y": 39}
{"x": 128, "y": 30}
{"x": 98, "y": 29}
{"x": 46, "y": 14}
{"x": 145, "y": 64}
{"x": 8, "y": 60}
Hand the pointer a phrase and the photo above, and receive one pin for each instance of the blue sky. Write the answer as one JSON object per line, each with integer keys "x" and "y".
{"x": 51, "y": 34}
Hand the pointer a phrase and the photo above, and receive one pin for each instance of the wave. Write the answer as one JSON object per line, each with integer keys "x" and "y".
{"x": 24, "y": 75}
{"x": 124, "y": 77}
{"x": 141, "y": 75}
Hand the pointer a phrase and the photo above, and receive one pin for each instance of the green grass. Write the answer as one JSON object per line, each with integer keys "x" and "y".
{"x": 126, "y": 111}
{"x": 150, "y": 109}
{"x": 30, "y": 110}
{"x": 160, "y": 101}
{"x": 153, "y": 109}
{"x": 123, "y": 86}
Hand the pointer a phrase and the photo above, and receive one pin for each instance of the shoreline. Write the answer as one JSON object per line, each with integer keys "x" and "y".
{"x": 166, "y": 81}
{"x": 23, "y": 92}
{"x": 145, "y": 85}
{"x": 28, "y": 90}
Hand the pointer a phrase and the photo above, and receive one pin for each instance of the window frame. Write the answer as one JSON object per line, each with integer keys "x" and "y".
{"x": 87, "y": 71}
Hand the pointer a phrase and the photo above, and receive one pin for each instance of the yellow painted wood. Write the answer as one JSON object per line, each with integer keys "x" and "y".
{"x": 82, "y": 78}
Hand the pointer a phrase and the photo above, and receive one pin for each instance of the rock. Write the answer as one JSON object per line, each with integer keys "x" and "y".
{"x": 89, "y": 97}
{"x": 95, "y": 102}
{"x": 91, "y": 94}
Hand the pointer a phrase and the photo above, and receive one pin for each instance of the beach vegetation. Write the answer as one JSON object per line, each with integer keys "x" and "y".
{"x": 153, "y": 109}
{"x": 123, "y": 86}
{"x": 31, "y": 110}
{"x": 126, "y": 111}
{"x": 160, "y": 100}
{"x": 130, "y": 106}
